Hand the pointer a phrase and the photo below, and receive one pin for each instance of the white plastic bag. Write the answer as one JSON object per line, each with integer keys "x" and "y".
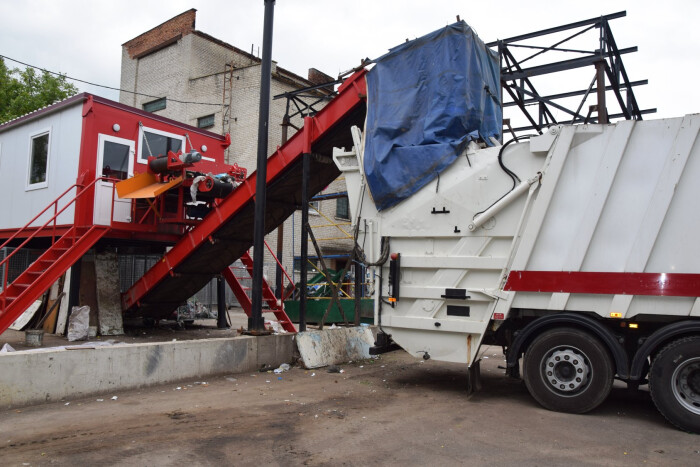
{"x": 79, "y": 323}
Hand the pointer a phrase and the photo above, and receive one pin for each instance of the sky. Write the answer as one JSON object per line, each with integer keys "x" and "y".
{"x": 83, "y": 38}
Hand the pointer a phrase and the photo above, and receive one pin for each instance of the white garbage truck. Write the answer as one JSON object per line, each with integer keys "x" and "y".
{"x": 575, "y": 250}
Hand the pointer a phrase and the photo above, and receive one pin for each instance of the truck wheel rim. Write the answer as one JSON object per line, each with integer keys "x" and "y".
{"x": 686, "y": 384}
{"x": 566, "y": 370}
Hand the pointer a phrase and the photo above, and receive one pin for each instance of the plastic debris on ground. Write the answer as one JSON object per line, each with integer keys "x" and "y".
{"x": 282, "y": 368}
{"x": 7, "y": 348}
{"x": 275, "y": 327}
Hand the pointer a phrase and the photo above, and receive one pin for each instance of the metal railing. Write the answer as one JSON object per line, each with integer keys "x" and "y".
{"x": 81, "y": 189}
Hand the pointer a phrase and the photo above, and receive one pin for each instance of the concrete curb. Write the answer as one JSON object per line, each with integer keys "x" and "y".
{"x": 44, "y": 376}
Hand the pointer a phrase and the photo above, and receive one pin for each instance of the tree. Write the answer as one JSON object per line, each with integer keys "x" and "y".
{"x": 23, "y": 91}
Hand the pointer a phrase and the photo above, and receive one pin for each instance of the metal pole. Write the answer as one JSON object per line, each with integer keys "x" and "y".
{"x": 304, "y": 238}
{"x": 358, "y": 291}
{"x": 600, "y": 78}
{"x": 221, "y": 321}
{"x": 255, "y": 322}
{"x": 280, "y": 229}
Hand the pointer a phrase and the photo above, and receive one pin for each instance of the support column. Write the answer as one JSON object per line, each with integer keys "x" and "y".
{"x": 255, "y": 322}
{"x": 221, "y": 321}
{"x": 304, "y": 239}
{"x": 600, "y": 83}
{"x": 358, "y": 291}
{"x": 280, "y": 229}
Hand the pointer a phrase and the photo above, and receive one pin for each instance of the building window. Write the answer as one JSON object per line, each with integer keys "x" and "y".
{"x": 315, "y": 208}
{"x": 158, "y": 104}
{"x": 115, "y": 160}
{"x": 342, "y": 208}
{"x": 205, "y": 122}
{"x": 38, "y": 161}
{"x": 157, "y": 143}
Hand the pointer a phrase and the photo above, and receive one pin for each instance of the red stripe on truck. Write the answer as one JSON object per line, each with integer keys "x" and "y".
{"x": 623, "y": 283}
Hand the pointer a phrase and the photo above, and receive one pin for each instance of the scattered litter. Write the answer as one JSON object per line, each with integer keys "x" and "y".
{"x": 203, "y": 383}
{"x": 382, "y": 366}
{"x": 100, "y": 400}
{"x": 231, "y": 379}
{"x": 341, "y": 371}
{"x": 333, "y": 326}
{"x": 178, "y": 388}
{"x": 362, "y": 366}
{"x": 67, "y": 403}
{"x": 279, "y": 378}
{"x": 267, "y": 380}
{"x": 313, "y": 374}
{"x": 114, "y": 398}
{"x": 7, "y": 348}
{"x": 174, "y": 340}
{"x": 282, "y": 368}
{"x": 485, "y": 357}
{"x": 275, "y": 327}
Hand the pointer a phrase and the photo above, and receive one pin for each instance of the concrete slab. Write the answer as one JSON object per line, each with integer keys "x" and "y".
{"x": 333, "y": 346}
{"x": 50, "y": 375}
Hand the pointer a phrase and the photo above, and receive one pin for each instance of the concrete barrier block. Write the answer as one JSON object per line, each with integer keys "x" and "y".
{"x": 31, "y": 377}
{"x": 332, "y": 346}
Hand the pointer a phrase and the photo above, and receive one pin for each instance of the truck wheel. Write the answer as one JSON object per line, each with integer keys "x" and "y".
{"x": 674, "y": 383}
{"x": 568, "y": 370}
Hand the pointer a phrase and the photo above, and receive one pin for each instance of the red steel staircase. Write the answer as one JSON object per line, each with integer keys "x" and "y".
{"x": 226, "y": 233}
{"x": 18, "y": 295}
{"x": 268, "y": 295}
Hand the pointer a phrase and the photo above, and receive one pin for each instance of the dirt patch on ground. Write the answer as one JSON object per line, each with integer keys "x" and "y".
{"x": 394, "y": 410}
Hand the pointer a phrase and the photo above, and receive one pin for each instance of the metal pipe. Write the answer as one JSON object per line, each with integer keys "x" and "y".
{"x": 255, "y": 322}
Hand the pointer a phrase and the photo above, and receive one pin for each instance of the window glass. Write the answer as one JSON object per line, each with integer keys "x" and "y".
{"x": 315, "y": 208}
{"x": 39, "y": 159}
{"x": 115, "y": 160}
{"x": 342, "y": 208}
{"x": 155, "y": 105}
{"x": 206, "y": 122}
{"x": 159, "y": 145}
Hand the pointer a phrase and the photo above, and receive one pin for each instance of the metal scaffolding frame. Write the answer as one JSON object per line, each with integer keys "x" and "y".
{"x": 517, "y": 76}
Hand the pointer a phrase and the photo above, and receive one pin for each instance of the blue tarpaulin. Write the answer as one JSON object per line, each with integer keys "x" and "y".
{"x": 426, "y": 100}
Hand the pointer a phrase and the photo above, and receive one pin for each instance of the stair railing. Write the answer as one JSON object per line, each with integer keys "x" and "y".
{"x": 80, "y": 190}
{"x": 283, "y": 296}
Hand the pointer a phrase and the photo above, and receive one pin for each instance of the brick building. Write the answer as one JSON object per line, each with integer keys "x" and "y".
{"x": 184, "y": 74}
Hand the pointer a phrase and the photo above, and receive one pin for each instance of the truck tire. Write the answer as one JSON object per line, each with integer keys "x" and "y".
{"x": 568, "y": 370}
{"x": 674, "y": 383}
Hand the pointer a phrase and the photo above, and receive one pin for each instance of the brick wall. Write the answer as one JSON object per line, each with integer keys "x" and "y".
{"x": 181, "y": 25}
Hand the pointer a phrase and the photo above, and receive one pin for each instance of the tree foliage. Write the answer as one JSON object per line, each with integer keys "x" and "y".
{"x": 23, "y": 91}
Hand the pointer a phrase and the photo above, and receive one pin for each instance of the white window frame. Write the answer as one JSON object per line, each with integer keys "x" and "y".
{"x": 315, "y": 207}
{"x": 36, "y": 186}
{"x": 142, "y": 152}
